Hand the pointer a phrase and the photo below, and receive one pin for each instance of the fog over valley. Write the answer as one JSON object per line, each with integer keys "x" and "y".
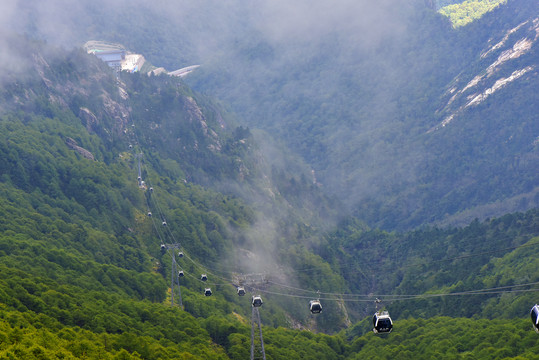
{"x": 298, "y": 180}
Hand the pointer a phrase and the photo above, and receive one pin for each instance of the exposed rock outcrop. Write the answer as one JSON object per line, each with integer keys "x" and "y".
{"x": 72, "y": 144}
{"x": 88, "y": 118}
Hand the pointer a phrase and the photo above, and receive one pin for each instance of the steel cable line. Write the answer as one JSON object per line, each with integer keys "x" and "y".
{"x": 167, "y": 227}
{"x": 147, "y": 201}
{"x": 207, "y": 282}
{"x": 233, "y": 270}
{"x": 389, "y": 295}
{"x": 139, "y": 159}
{"x": 205, "y": 267}
{"x": 160, "y": 213}
{"x": 157, "y": 231}
{"x": 404, "y": 296}
{"x": 137, "y": 150}
{"x": 152, "y": 198}
{"x": 386, "y": 295}
{"x": 228, "y": 281}
{"x": 369, "y": 298}
{"x": 156, "y": 204}
{"x": 170, "y": 233}
{"x": 198, "y": 266}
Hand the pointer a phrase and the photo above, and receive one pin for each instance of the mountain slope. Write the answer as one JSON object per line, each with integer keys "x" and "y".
{"x": 76, "y": 139}
{"x": 82, "y": 274}
{"x": 354, "y": 90}
{"x": 499, "y": 253}
{"x": 360, "y": 113}
{"x": 464, "y": 12}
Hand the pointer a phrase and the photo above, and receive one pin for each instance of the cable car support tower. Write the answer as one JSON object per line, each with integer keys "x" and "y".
{"x": 139, "y": 169}
{"x": 174, "y": 274}
{"x": 255, "y": 318}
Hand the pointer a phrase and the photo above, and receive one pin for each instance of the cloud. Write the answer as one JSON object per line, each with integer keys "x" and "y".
{"x": 306, "y": 20}
{"x": 9, "y": 59}
{"x": 206, "y": 29}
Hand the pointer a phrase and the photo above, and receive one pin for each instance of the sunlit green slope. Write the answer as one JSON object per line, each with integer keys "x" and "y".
{"x": 465, "y": 12}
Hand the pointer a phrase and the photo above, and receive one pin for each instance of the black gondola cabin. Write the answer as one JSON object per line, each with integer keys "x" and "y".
{"x": 207, "y": 292}
{"x": 257, "y": 301}
{"x": 381, "y": 322}
{"x": 534, "y": 313}
{"x": 315, "y": 306}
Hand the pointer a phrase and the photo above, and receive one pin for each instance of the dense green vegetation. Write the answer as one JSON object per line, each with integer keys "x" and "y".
{"x": 102, "y": 194}
{"x": 82, "y": 275}
{"x": 77, "y": 249}
{"x": 30, "y": 336}
{"x": 354, "y": 99}
{"x": 447, "y": 338}
{"x": 444, "y": 261}
{"x": 468, "y": 11}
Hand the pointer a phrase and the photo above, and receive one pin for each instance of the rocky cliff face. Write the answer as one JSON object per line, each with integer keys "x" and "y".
{"x": 107, "y": 105}
{"x": 72, "y": 144}
{"x": 52, "y": 80}
{"x": 505, "y": 60}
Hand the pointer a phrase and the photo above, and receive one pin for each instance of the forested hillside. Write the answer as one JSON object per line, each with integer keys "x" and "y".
{"x": 355, "y": 91}
{"x": 361, "y": 111}
{"x": 78, "y": 246}
{"x": 467, "y": 11}
{"x": 113, "y": 183}
{"x": 497, "y": 254}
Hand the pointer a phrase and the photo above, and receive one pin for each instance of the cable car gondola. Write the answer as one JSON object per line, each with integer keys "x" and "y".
{"x": 163, "y": 248}
{"x": 256, "y": 300}
{"x": 181, "y": 274}
{"x": 180, "y": 254}
{"x": 151, "y": 189}
{"x": 381, "y": 322}
{"x": 203, "y": 277}
{"x": 164, "y": 223}
{"x": 207, "y": 292}
{"x": 241, "y": 291}
{"x": 534, "y": 313}
{"x": 315, "y": 306}
{"x": 149, "y": 214}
